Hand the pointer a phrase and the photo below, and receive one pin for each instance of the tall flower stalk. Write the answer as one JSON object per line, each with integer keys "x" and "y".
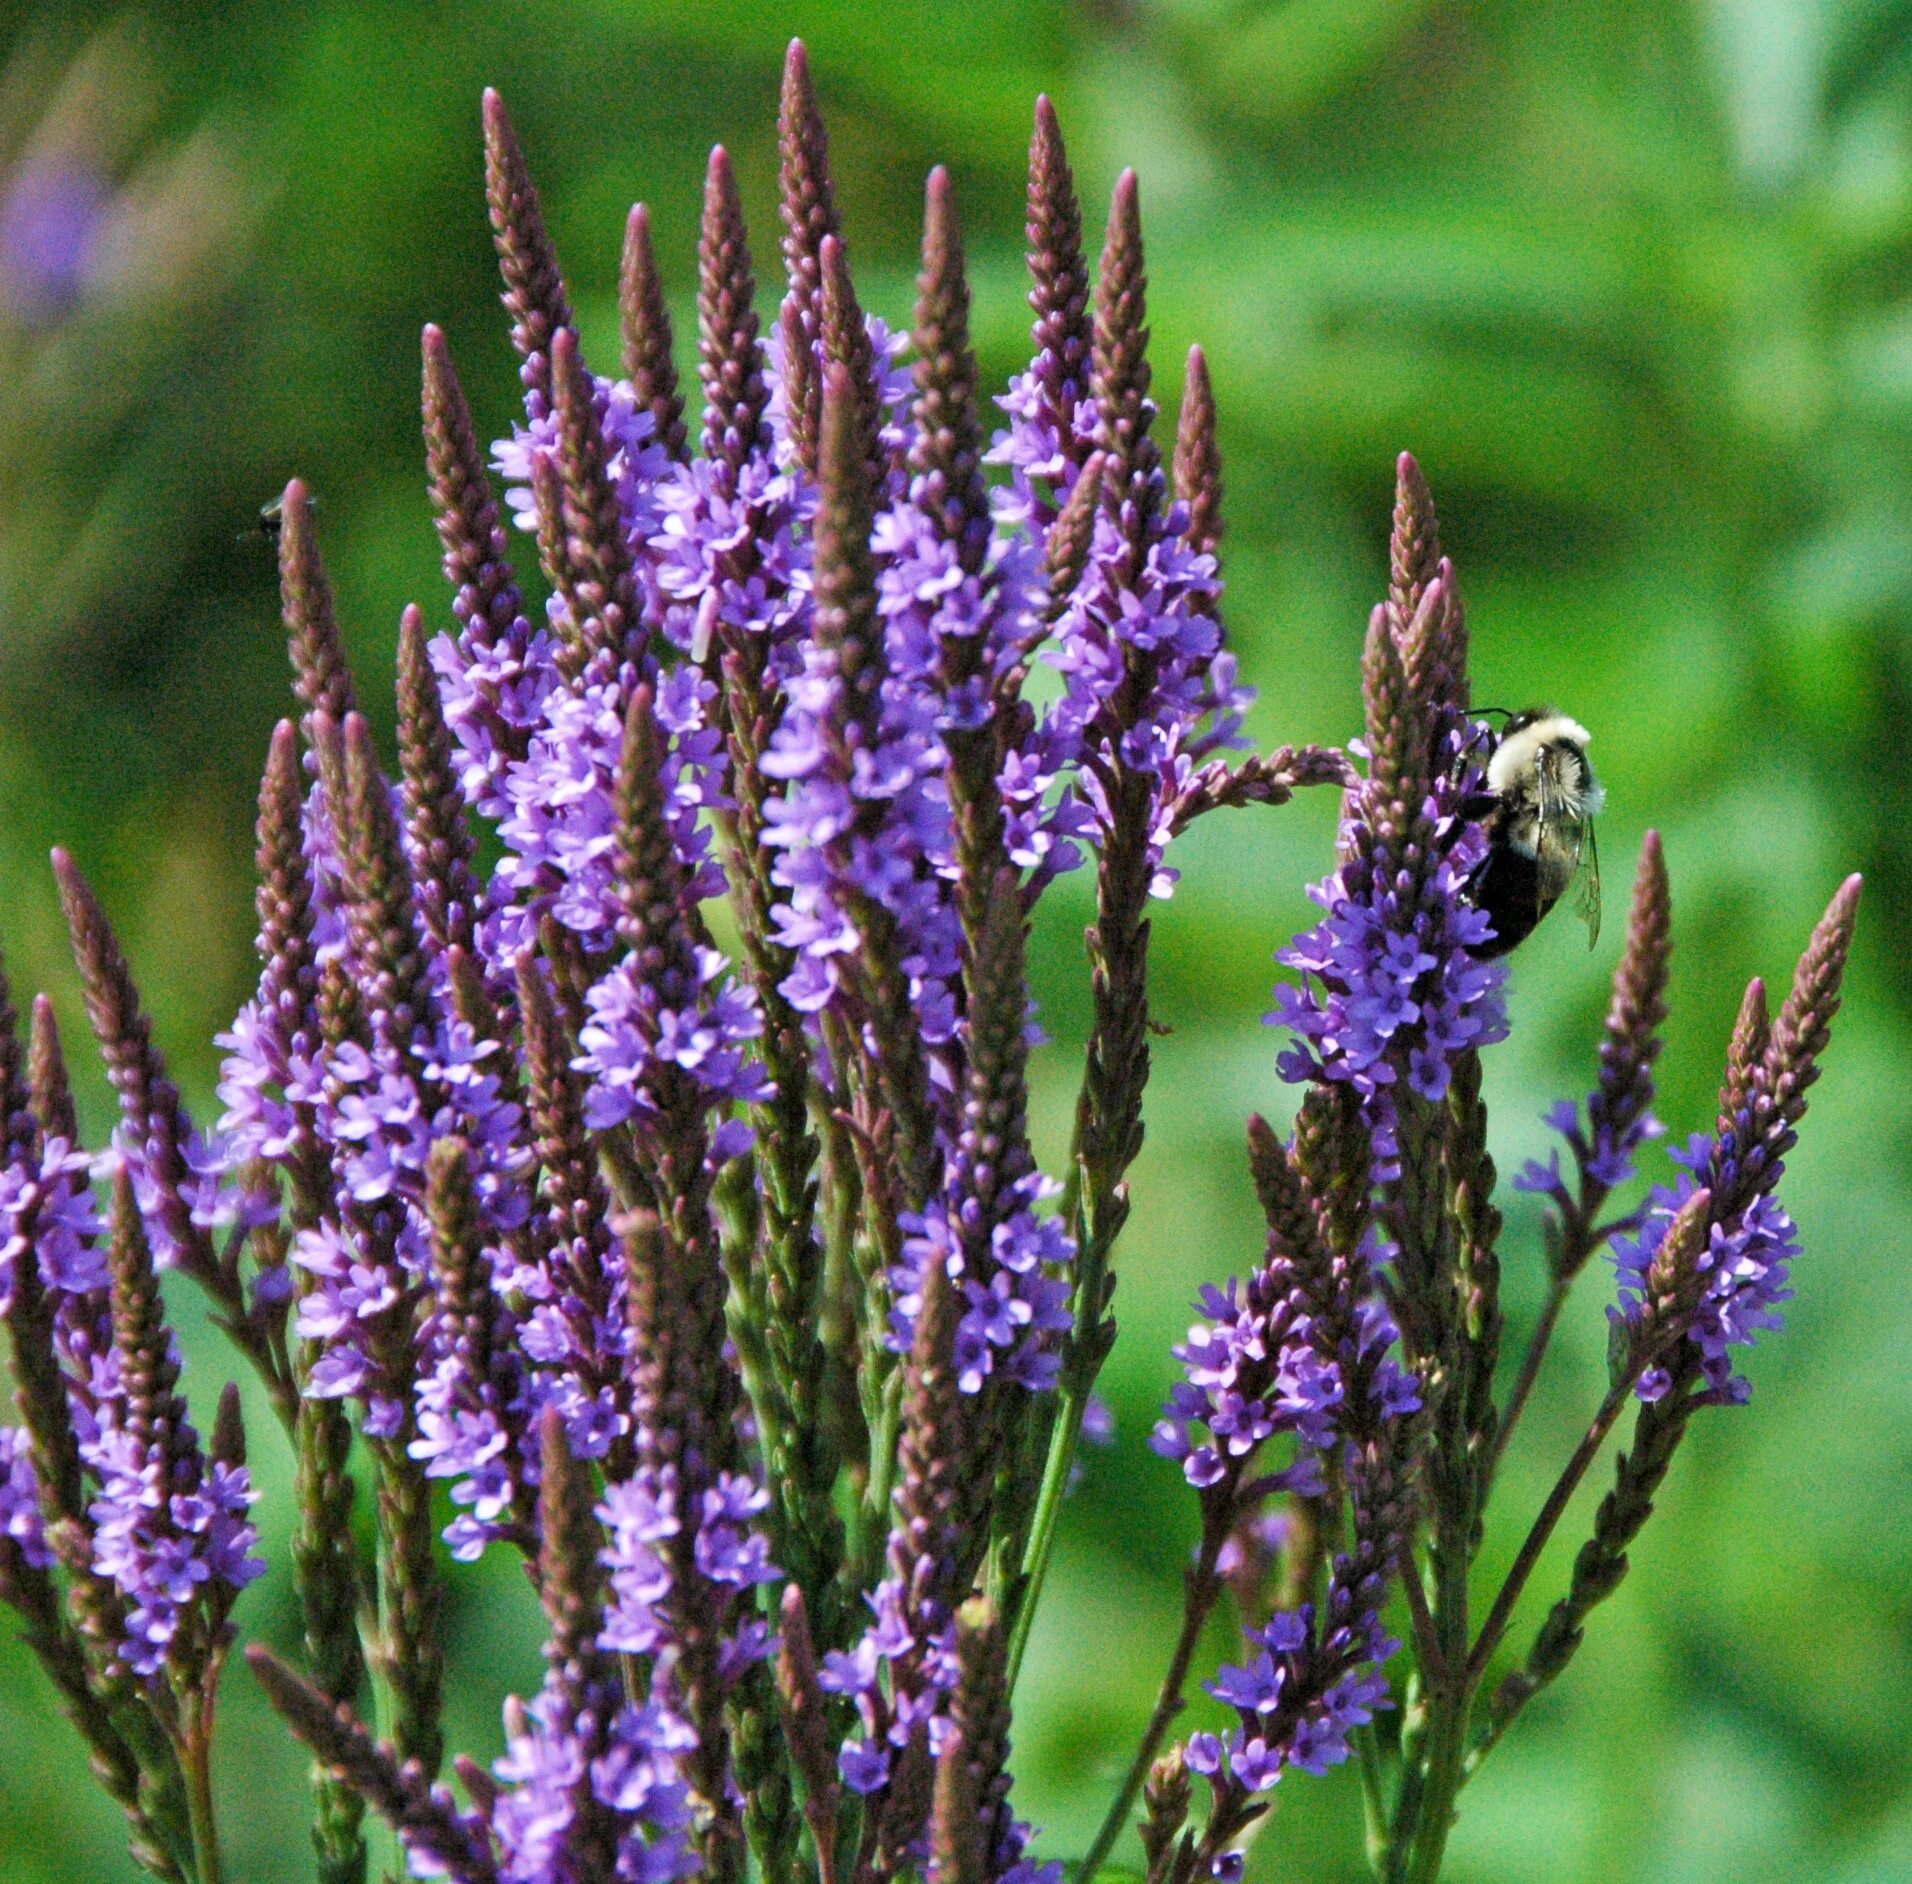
{"x": 722, "y": 1287}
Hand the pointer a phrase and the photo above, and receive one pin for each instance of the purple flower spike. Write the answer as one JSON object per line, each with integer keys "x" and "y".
{"x": 1390, "y": 994}
{"x": 22, "y": 1528}
{"x": 170, "y": 1530}
{"x": 1619, "y": 1112}
{"x": 627, "y": 1149}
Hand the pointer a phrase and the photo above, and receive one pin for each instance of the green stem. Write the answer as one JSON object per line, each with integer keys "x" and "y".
{"x": 1530, "y": 1363}
{"x": 1374, "y": 1811}
{"x": 1425, "y": 1810}
{"x": 195, "y": 1756}
{"x": 1201, "y": 1592}
{"x": 873, "y": 1513}
{"x": 1443, "y": 1773}
{"x": 381, "y": 1836}
{"x": 1079, "y": 1368}
{"x": 1543, "y": 1525}
{"x": 1427, "y": 1645}
{"x": 1042, "y": 1531}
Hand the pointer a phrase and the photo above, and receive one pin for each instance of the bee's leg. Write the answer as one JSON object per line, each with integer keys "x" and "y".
{"x": 1468, "y": 813}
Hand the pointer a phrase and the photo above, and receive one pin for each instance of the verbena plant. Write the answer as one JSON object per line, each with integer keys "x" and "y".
{"x": 719, "y": 1284}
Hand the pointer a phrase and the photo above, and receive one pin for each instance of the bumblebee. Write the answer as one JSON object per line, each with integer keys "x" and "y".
{"x": 1538, "y": 806}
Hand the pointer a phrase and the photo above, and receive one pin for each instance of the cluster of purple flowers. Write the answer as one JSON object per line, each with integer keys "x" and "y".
{"x": 1158, "y": 623}
{"x": 826, "y": 642}
{"x": 47, "y": 1208}
{"x": 722, "y": 1284}
{"x": 1302, "y": 1352}
{"x": 169, "y": 1527}
{"x": 1605, "y": 1154}
{"x": 569, "y": 1754}
{"x": 129, "y": 1501}
{"x": 1274, "y": 1688}
{"x": 1015, "y": 1300}
{"x": 1390, "y": 995}
{"x": 1250, "y": 1371}
{"x": 22, "y": 1523}
{"x": 1742, "y": 1274}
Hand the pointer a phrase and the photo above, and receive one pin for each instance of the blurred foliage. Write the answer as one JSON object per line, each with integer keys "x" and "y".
{"x": 1633, "y": 278}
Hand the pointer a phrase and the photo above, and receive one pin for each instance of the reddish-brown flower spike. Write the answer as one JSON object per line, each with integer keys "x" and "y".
{"x": 1637, "y": 1012}
{"x": 17, "y": 1131}
{"x": 992, "y": 1150}
{"x": 646, "y": 324}
{"x": 1428, "y": 652}
{"x": 956, "y": 1847}
{"x": 1270, "y": 778}
{"x": 979, "y": 1713}
{"x": 1805, "y": 1017}
{"x": 1120, "y": 373}
{"x": 650, "y": 876}
{"x": 571, "y": 1587}
{"x": 283, "y": 901}
{"x": 570, "y": 1549}
{"x": 458, "y": 1267}
{"x": 561, "y": 951}
{"x": 229, "y": 1427}
{"x": 1065, "y": 552}
{"x": 442, "y": 854}
{"x": 808, "y": 197}
{"x": 1760, "y": 1116}
{"x": 1396, "y": 729}
{"x": 809, "y": 212}
{"x": 946, "y": 459}
{"x": 40, "y": 1389}
{"x": 847, "y": 628}
{"x": 923, "y": 1549}
{"x": 1414, "y": 547}
{"x": 806, "y": 1727}
{"x": 327, "y": 739}
{"x": 1675, "y": 1281}
{"x": 480, "y": 1784}
{"x": 600, "y": 582}
{"x": 534, "y": 289}
{"x": 1198, "y": 458}
{"x": 149, "y": 1101}
{"x": 1165, "y": 1801}
{"x": 399, "y": 1792}
{"x": 1293, "y": 1222}
{"x": 47, "y": 1079}
{"x": 383, "y": 913}
{"x": 803, "y": 381}
{"x": 845, "y": 582}
{"x": 554, "y": 558}
{"x": 572, "y": 1196}
{"x": 730, "y": 356}
{"x": 1437, "y": 660}
{"x": 1745, "y": 1053}
{"x": 1059, "y": 291}
{"x": 846, "y": 343}
{"x": 154, "y": 1415}
{"x": 1455, "y": 641}
{"x": 486, "y": 598}
{"x": 320, "y": 676}
{"x": 651, "y": 1313}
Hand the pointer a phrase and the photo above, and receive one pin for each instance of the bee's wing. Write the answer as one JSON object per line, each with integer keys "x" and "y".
{"x": 1589, "y": 899}
{"x": 1560, "y": 847}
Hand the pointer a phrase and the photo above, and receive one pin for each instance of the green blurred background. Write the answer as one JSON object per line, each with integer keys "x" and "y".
{"x": 1634, "y": 278}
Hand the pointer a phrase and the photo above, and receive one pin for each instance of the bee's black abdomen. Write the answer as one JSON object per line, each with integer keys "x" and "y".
{"x": 1506, "y": 886}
